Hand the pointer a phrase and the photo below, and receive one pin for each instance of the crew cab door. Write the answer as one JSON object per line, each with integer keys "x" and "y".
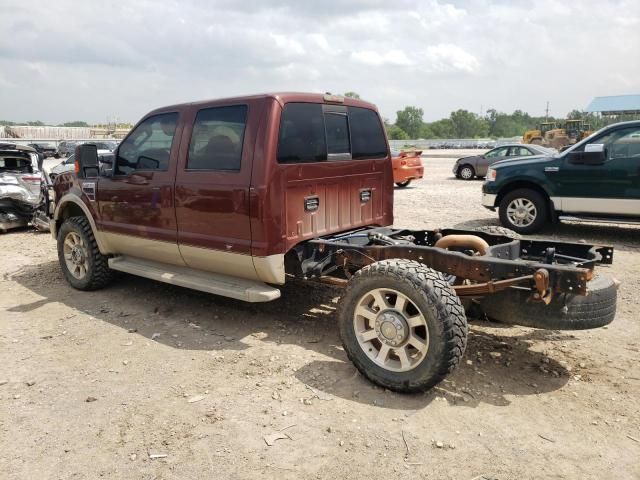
{"x": 612, "y": 188}
{"x": 212, "y": 188}
{"x": 136, "y": 204}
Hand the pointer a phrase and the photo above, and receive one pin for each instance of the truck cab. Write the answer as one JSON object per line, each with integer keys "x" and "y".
{"x": 230, "y": 186}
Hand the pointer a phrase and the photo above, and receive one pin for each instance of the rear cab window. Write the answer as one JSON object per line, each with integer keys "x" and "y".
{"x": 311, "y": 132}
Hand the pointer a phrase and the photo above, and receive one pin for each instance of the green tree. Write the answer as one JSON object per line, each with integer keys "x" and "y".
{"x": 410, "y": 120}
{"x": 442, "y": 128}
{"x": 394, "y": 132}
{"x": 352, "y": 95}
{"x": 426, "y": 131}
{"x": 77, "y": 123}
{"x": 468, "y": 125}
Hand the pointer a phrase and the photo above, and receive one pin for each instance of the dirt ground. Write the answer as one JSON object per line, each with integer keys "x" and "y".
{"x": 144, "y": 380}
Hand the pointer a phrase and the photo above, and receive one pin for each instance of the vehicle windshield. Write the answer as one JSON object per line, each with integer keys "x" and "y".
{"x": 584, "y": 141}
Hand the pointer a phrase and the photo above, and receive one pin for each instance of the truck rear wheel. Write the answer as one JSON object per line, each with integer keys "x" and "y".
{"x": 84, "y": 267}
{"x": 402, "y": 325}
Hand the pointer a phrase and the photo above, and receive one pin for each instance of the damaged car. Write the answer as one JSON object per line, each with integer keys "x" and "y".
{"x": 23, "y": 188}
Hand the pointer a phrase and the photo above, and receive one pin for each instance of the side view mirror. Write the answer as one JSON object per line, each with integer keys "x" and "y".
{"x": 106, "y": 164}
{"x": 86, "y": 164}
{"x": 107, "y": 158}
{"x": 594, "y": 154}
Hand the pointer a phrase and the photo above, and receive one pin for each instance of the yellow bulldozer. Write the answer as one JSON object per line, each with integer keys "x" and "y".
{"x": 558, "y": 135}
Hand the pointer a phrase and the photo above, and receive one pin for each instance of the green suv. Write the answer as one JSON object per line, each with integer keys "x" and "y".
{"x": 596, "y": 180}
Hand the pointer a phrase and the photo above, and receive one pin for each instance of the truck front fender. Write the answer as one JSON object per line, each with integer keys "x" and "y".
{"x": 68, "y": 206}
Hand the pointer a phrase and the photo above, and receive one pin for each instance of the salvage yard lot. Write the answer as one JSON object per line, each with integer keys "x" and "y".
{"x": 86, "y": 393}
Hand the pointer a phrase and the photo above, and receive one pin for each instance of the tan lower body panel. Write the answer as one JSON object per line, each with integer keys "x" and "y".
{"x": 224, "y": 285}
{"x": 140, "y": 247}
{"x": 264, "y": 269}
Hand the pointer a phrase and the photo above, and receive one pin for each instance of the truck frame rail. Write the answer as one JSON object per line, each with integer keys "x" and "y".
{"x": 475, "y": 263}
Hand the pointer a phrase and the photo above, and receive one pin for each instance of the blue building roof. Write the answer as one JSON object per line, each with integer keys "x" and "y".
{"x": 618, "y": 104}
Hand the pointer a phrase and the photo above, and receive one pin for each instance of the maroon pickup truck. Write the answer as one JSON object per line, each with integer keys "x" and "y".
{"x": 235, "y": 196}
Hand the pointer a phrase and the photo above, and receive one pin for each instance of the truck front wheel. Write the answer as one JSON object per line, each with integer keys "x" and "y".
{"x": 84, "y": 267}
{"x": 524, "y": 210}
{"x": 402, "y": 325}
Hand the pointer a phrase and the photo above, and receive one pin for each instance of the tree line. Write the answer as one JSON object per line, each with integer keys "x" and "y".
{"x": 462, "y": 123}
{"x": 409, "y": 124}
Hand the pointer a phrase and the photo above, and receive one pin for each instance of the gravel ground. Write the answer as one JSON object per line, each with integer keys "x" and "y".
{"x": 144, "y": 380}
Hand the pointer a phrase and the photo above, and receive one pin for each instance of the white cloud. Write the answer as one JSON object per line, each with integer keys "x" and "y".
{"x": 391, "y": 57}
{"x": 450, "y": 58}
{"x": 91, "y": 59}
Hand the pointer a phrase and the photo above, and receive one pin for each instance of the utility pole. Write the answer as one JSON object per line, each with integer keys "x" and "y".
{"x": 546, "y": 112}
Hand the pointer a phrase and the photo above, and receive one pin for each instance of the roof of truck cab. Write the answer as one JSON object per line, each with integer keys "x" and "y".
{"x": 281, "y": 97}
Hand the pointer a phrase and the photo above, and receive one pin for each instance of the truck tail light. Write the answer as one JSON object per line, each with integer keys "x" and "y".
{"x": 34, "y": 179}
{"x": 403, "y": 163}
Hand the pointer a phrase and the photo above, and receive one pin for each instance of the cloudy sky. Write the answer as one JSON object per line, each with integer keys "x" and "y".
{"x": 69, "y": 60}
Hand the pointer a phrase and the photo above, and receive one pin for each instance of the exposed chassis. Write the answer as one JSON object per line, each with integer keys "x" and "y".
{"x": 543, "y": 267}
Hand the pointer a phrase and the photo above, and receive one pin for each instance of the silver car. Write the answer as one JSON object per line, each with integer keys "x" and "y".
{"x": 468, "y": 168}
{"x": 23, "y": 187}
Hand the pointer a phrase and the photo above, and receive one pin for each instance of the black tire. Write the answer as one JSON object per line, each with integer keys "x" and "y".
{"x": 435, "y": 300}
{"x": 466, "y": 172}
{"x": 403, "y": 184}
{"x": 98, "y": 273}
{"x": 565, "y": 312}
{"x": 541, "y": 209}
{"x": 496, "y": 230}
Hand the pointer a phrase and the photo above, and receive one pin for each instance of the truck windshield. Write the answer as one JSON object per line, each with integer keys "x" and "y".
{"x": 310, "y": 134}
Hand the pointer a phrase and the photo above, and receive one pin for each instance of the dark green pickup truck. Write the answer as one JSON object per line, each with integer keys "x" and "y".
{"x": 596, "y": 180}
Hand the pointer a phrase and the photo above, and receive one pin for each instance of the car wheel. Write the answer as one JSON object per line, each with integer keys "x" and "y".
{"x": 84, "y": 267}
{"x": 402, "y": 325}
{"x": 466, "y": 172}
{"x": 403, "y": 184}
{"x": 523, "y": 211}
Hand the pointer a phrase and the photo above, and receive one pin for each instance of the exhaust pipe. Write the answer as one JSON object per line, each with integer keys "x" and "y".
{"x": 464, "y": 241}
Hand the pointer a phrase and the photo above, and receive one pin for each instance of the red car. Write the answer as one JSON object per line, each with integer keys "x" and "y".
{"x": 407, "y": 166}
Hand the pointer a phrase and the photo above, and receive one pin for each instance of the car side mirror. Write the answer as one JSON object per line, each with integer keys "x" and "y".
{"x": 594, "y": 154}
{"x": 86, "y": 164}
{"x": 107, "y": 158}
{"x": 106, "y": 164}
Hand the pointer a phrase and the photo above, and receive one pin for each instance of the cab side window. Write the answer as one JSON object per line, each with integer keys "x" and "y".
{"x": 148, "y": 147}
{"x": 519, "y": 152}
{"x": 625, "y": 145}
{"x": 620, "y": 143}
{"x": 302, "y": 135}
{"x": 498, "y": 152}
{"x": 217, "y": 139}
